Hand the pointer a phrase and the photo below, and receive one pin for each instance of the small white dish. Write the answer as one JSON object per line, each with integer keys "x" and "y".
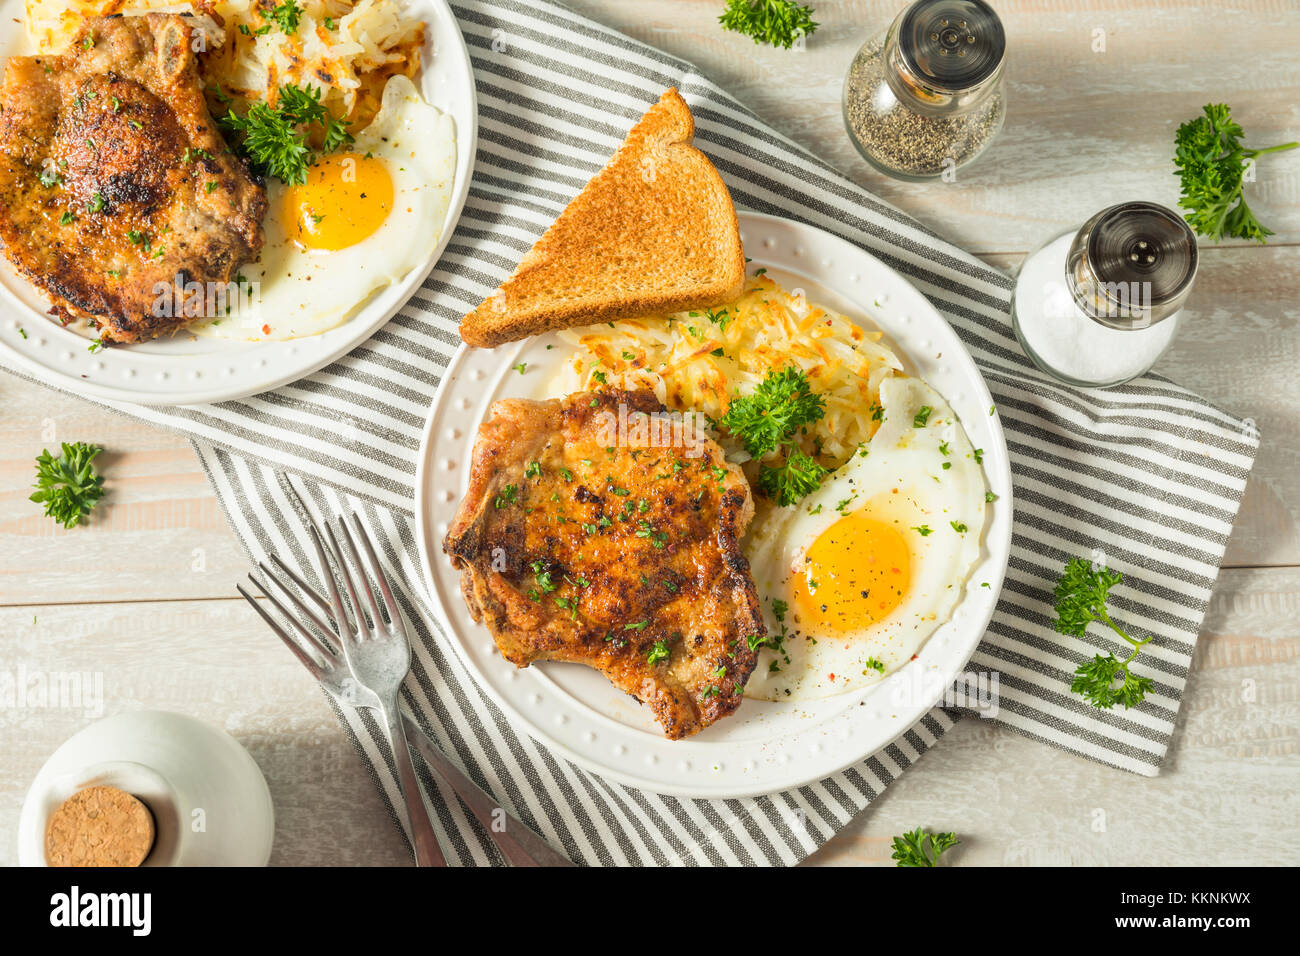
{"x": 210, "y": 803}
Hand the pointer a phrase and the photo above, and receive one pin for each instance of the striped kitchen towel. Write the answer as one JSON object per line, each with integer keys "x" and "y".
{"x": 1148, "y": 475}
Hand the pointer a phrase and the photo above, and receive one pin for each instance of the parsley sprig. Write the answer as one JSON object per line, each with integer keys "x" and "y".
{"x": 797, "y": 476}
{"x": 782, "y": 402}
{"x": 1211, "y": 163}
{"x": 767, "y": 420}
{"x": 275, "y": 137}
{"x": 1081, "y": 596}
{"x": 68, "y": 485}
{"x": 774, "y": 22}
{"x": 920, "y": 848}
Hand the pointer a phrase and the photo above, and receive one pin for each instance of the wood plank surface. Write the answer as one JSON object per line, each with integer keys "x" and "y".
{"x": 143, "y": 593}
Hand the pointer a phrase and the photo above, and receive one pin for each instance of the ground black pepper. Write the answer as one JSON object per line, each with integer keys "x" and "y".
{"x": 902, "y": 142}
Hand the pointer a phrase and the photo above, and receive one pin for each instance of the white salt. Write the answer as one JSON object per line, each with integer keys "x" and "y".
{"x": 1066, "y": 340}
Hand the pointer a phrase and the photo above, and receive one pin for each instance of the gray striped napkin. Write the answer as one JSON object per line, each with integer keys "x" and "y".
{"x": 1148, "y": 475}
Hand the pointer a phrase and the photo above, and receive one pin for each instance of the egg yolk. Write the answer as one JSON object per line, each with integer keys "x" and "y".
{"x": 346, "y": 198}
{"x": 855, "y": 574}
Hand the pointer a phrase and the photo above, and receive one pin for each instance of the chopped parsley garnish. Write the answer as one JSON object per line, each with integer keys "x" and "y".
{"x": 286, "y": 16}
{"x": 923, "y": 529}
{"x": 658, "y": 538}
{"x": 958, "y": 526}
{"x": 542, "y": 576}
{"x": 507, "y": 496}
{"x": 658, "y": 652}
{"x": 920, "y": 419}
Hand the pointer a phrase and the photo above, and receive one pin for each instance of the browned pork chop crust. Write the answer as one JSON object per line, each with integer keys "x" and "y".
{"x": 115, "y": 184}
{"x": 575, "y": 546}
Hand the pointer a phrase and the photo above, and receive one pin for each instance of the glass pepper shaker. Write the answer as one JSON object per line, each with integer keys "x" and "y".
{"x": 1098, "y": 306}
{"x": 925, "y": 97}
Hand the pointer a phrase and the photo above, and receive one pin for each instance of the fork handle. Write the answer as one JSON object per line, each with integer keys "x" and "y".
{"x": 427, "y": 851}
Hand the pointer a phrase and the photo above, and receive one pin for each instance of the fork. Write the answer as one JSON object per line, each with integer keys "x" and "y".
{"x": 316, "y": 651}
{"x": 375, "y": 648}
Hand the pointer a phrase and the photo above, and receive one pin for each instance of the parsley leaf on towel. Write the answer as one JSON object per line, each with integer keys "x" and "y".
{"x": 1081, "y": 596}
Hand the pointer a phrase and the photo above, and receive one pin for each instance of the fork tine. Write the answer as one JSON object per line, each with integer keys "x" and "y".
{"x": 307, "y": 660}
{"x": 310, "y": 639}
{"x": 335, "y": 608}
{"x": 359, "y": 571}
{"x": 344, "y": 625}
{"x": 303, "y": 586}
{"x": 390, "y": 604}
{"x": 311, "y": 615}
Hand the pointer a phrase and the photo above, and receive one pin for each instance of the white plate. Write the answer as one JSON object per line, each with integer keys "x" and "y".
{"x": 765, "y": 746}
{"x": 187, "y": 371}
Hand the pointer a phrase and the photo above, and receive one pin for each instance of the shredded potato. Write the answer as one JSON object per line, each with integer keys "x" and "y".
{"x": 764, "y": 330}
{"x": 371, "y": 41}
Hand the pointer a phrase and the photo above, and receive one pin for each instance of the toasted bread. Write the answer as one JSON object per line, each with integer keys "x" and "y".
{"x": 654, "y": 232}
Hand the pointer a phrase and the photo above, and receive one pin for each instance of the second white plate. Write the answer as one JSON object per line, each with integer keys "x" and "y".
{"x": 183, "y": 370}
{"x": 765, "y": 746}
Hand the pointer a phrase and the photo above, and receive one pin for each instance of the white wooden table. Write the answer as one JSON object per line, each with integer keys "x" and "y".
{"x": 144, "y": 595}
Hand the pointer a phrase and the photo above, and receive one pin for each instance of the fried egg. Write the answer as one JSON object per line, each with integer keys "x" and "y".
{"x": 857, "y": 576}
{"x": 363, "y": 220}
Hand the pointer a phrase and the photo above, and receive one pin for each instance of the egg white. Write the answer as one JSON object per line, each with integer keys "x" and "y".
{"x": 898, "y": 479}
{"x": 296, "y": 292}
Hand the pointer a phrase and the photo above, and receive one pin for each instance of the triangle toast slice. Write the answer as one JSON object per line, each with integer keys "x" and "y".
{"x": 654, "y": 232}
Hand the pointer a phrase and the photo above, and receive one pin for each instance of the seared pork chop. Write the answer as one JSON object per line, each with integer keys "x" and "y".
{"x": 580, "y": 542}
{"x": 115, "y": 184}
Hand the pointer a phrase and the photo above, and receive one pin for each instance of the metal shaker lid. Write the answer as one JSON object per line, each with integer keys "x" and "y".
{"x": 1133, "y": 264}
{"x": 951, "y": 45}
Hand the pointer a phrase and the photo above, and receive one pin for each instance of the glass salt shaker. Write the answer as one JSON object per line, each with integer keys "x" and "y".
{"x": 1097, "y": 307}
{"x": 925, "y": 97}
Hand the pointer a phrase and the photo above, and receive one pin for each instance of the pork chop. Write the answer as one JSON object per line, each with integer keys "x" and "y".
{"x": 116, "y": 187}
{"x": 581, "y": 542}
